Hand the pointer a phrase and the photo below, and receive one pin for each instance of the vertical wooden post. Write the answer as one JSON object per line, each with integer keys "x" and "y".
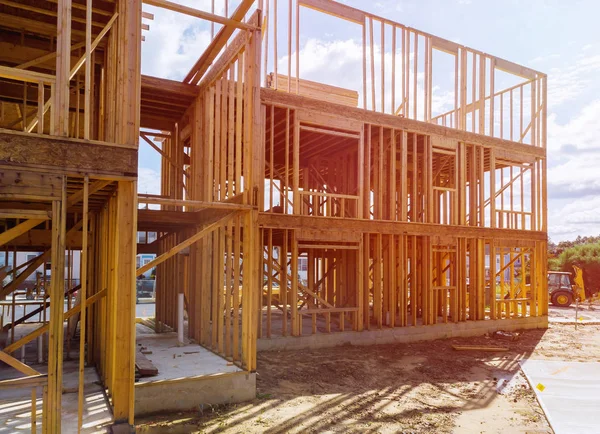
{"x": 377, "y": 284}
{"x": 360, "y": 284}
{"x": 123, "y": 355}
{"x": 294, "y": 289}
{"x": 40, "y": 114}
{"x": 361, "y": 175}
{"x": 481, "y": 94}
{"x": 492, "y": 188}
{"x": 392, "y": 288}
{"x": 492, "y": 280}
{"x": 52, "y": 405}
{"x": 462, "y": 120}
{"x": 296, "y": 167}
{"x": 61, "y": 93}
{"x": 127, "y": 122}
{"x": 82, "y": 298}
{"x": 403, "y": 199}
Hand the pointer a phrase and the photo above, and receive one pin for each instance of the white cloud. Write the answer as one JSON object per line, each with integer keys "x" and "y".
{"x": 175, "y": 41}
{"x": 542, "y": 59}
{"x": 566, "y": 84}
{"x": 148, "y": 181}
{"x": 583, "y": 130}
{"x": 573, "y": 181}
{"x": 340, "y": 63}
{"x": 337, "y": 63}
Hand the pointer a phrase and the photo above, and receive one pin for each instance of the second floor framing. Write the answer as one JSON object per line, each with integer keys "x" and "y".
{"x": 251, "y": 114}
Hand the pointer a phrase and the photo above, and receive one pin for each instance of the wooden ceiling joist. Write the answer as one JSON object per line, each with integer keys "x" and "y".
{"x": 164, "y": 102}
{"x": 176, "y": 88}
{"x": 47, "y": 57}
{"x": 33, "y": 26}
{"x": 47, "y": 12}
{"x": 107, "y": 8}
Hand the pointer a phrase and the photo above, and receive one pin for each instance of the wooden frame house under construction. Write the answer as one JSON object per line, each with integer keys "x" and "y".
{"x": 295, "y": 211}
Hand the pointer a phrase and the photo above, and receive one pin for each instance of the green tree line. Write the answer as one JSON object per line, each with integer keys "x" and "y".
{"x": 583, "y": 252}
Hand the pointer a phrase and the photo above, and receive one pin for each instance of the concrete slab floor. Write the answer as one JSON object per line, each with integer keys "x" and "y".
{"x": 173, "y": 361}
{"x": 15, "y": 405}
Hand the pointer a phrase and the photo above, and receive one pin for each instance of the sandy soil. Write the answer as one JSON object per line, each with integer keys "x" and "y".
{"x": 419, "y": 387}
{"x": 585, "y": 313}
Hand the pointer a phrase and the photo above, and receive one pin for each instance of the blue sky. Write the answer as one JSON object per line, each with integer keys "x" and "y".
{"x": 560, "y": 38}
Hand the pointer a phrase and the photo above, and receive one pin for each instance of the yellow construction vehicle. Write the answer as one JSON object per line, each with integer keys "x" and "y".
{"x": 563, "y": 290}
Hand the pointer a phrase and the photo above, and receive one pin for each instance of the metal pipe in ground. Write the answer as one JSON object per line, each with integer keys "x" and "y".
{"x": 180, "y": 319}
{"x": 40, "y": 349}
{"x": 576, "y": 311}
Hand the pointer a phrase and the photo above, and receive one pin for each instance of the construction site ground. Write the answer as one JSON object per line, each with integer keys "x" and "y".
{"x": 417, "y": 387}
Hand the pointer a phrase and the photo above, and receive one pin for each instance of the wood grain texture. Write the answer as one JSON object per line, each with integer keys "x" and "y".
{"x": 66, "y": 156}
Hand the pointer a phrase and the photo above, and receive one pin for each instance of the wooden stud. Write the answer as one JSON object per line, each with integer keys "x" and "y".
{"x": 83, "y": 297}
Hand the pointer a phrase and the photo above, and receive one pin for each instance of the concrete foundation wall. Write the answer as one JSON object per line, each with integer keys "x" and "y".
{"x": 401, "y": 334}
{"x": 194, "y": 392}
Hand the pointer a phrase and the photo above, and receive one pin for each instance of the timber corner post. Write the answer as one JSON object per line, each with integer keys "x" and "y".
{"x": 128, "y": 97}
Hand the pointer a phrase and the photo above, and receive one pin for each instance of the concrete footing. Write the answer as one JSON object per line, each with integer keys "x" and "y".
{"x": 401, "y": 334}
{"x": 122, "y": 428}
{"x": 194, "y": 392}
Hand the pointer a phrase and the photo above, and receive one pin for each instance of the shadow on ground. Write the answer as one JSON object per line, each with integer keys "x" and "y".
{"x": 418, "y": 387}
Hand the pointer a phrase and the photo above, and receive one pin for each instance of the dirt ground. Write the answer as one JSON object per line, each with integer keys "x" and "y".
{"x": 584, "y": 314}
{"x": 418, "y": 387}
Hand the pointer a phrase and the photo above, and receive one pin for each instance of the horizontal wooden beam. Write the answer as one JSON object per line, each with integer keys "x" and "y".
{"x": 184, "y": 244}
{"x": 283, "y": 221}
{"x": 169, "y": 86}
{"x": 148, "y": 120}
{"x": 147, "y": 249}
{"x": 22, "y": 185}
{"x": 35, "y": 27}
{"x": 66, "y": 156}
{"x": 336, "y": 9}
{"x": 284, "y": 99}
{"x": 25, "y": 214}
{"x": 41, "y": 239}
{"x": 47, "y": 12}
{"x": 176, "y": 7}
{"x": 150, "y": 199}
{"x": 327, "y": 247}
{"x": 444, "y": 45}
{"x": 156, "y": 135}
{"x": 479, "y": 348}
{"x": 24, "y": 382}
{"x": 24, "y": 75}
{"x": 515, "y": 69}
{"x": 163, "y": 220}
{"x": 37, "y": 262}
